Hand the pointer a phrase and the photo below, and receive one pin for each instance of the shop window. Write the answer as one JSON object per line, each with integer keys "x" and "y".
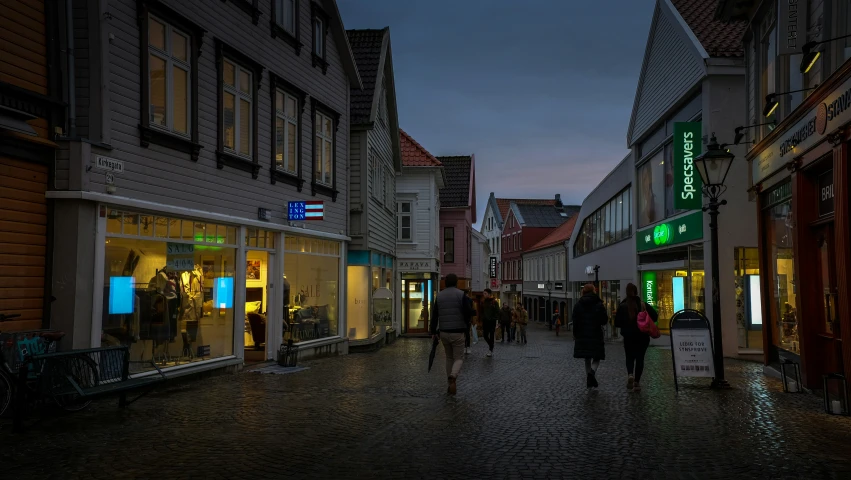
{"x": 609, "y": 224}
{"x": 448, "y": 245}
{"x": 780, "y": 230}
{"x": 169, "y": 79}
{"x": 239, "y": 82}
{"x": 169, "y": 300}
{"x": 312, "y": 268}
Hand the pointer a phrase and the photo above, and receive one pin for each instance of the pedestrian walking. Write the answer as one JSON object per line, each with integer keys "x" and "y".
{"x": 490, "y": 317}
{"x": 522, "y": 321}
{"x": 635, "y": 342}
{"x": 505, "y": 323}
{"x": 450, "y": 319}
{"x": 513, "y": 336}
{"x": 557, "y": 321}
{"x": 589, "y": 317}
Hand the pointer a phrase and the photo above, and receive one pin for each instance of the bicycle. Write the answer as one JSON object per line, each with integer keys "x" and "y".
{"x": 41, "y": 379}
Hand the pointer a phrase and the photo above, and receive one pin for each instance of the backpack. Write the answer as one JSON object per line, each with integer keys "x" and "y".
{"x": 646, "y": 324}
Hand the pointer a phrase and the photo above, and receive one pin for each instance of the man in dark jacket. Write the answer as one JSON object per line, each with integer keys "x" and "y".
{"x": 505, "y": 322}
{"x": 589, "y": 316}
{"x": 450, "y": 320}
{"x": 490, "y": 317}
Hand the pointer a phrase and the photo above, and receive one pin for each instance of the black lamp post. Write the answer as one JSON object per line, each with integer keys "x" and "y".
{"x": 713, "y": 166}
{"x": 549, "y": 287}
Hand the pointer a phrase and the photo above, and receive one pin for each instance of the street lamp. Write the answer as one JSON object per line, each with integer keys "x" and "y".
{"x": 549, "y": 287}
{"x": 713, "y": 166}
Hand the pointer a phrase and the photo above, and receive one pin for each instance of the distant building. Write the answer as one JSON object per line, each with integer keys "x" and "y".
{"x": 457, "y": 216}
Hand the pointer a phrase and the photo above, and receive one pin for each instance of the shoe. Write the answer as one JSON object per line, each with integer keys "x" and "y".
{"x": 467, "y": 351}
{"x": 589, "y": 380}
{"x": 490, "y": 354}
{"x": 452, "y": 386}
{"x": 630, "y": 382}
{"x": 594, "y": 380}
{"x": 636, "y": 388}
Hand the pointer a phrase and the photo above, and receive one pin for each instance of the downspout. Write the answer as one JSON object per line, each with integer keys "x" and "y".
{"x": 69, "y": 51}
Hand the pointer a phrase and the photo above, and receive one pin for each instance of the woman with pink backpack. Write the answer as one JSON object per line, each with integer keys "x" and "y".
{"x": 637, "y": 321}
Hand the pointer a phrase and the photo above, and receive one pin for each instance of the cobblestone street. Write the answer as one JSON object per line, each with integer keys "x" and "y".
{"x": 524, "y": 413}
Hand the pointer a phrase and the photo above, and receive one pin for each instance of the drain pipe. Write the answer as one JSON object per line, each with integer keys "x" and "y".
{"x": 69, "y": 51}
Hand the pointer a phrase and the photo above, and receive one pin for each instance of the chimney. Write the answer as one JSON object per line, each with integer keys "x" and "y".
{"x": 559, "y": 205}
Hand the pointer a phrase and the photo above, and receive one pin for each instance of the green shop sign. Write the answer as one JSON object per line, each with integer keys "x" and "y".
{"x": 684, "y": 229}
{"x": 648, "y": 288}
{"x": 687, "y": 184}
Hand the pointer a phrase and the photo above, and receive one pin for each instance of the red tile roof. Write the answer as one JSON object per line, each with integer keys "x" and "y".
{"x": 719, "y": 39}
{"x": 505, "y": 203}
{"x": 414, "y": 155}
{"x": 557, "y": 236}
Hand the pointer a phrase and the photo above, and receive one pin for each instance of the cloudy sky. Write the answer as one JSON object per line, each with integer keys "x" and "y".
{"x": 540, "y": 91}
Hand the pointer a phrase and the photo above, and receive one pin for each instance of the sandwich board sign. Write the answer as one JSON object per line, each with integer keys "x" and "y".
{"x": 691, "y": 346}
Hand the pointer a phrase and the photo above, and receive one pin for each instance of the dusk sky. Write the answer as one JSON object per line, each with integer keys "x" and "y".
{"x": 540, "y": 91}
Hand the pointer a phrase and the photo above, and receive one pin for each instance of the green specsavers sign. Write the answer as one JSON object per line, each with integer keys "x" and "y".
{"x": 648, "y": 288}
{"x": 687, "y": 146}
{"x": 680, "y": 230}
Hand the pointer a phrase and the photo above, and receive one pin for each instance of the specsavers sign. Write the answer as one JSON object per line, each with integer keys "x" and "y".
{"x": 687, "y": 146}
{"x": 832, "y": 113}
{"x": 680, "y": 230}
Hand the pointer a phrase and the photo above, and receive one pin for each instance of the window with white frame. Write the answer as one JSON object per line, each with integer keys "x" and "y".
{"x": 286, "y": 132}
{"x": 323, "y": 168}
{"x": 237, "y": 96}
{"x": 285, "y": 15}
{"x": 406, "y": 220}
{"x": 169, "y": 70}
{"x": 319, "y": 36}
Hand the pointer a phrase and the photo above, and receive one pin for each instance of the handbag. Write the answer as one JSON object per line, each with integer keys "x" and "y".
{"x": 646, "y": 324}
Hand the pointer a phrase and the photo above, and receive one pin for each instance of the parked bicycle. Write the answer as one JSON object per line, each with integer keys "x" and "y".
{"x": 41, "y": 380}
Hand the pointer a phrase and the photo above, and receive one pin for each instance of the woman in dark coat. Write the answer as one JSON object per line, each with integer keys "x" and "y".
{"x": 589, "y": 316}
{"x": 635, "y": 342}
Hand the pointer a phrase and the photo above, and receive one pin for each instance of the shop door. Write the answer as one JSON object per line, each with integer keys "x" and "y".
{"x": 416, "y": 304}
{"x": 827, "y": 330}
{"x": 23, "y": 242}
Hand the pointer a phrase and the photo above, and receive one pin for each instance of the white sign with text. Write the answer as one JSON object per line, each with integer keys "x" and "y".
{"x": 692, "y": 348}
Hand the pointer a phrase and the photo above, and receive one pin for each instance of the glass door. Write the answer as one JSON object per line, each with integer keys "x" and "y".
{"x": 415, "y": 304}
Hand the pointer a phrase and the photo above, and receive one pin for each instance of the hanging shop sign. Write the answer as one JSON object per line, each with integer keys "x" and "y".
{"x": 492, "y": 267}
{"x": 825, "y": 193}
{"x": 806, "y": 133}
{"x": 792, "y": 26}
{"x": 687, "y": 184}
{"x": 648, "y": 287}
{"x": 691, "y": 344}
{"x": 680, "y": 230}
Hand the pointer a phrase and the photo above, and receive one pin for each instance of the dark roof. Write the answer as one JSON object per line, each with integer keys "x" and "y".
{"x": 557, "y": 236}
{"x": 366, "y": 46}
{"x": 504, "y": 204}
{"x": 719, "y": 39}
{"x": 414, "y": 154}
{"x": 457, "y": 190}
{"x": 542, "y": 216}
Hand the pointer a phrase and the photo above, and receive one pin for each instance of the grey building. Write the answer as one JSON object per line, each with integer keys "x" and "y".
{"x": 203, "y": 188}
{"x": 693, "y": 71}
{"x": 546, "y": 289}
{"x": 376, "y": 160}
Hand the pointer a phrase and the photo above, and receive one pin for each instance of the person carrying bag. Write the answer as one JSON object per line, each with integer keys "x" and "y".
{"x": 637, "y": 323}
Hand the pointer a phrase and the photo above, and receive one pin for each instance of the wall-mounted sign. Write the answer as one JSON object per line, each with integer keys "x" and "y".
{"x": 648, "y": 287}
{"x": 559, "y": 286}
{"x": 808, "y": 131}
{"x": 825, "y": 193}
{"x": 680, "y": 230}
{"x": 492, "y": 267}
{"x": 687, "y": 184}
{"x": 109, "y": 164}
{"x": 540, "y": 286}
{"x": 417, "y": 265}
{"x": 589, "y": 270}
{"x": 792, "y": 26}
{"x": 309, "y": 210}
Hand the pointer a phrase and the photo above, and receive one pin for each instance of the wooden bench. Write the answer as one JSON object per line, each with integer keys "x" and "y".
{"x": 76, "y": 377}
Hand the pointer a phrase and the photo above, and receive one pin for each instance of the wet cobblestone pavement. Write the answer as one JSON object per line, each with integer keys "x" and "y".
{"x": 523, "y": 414}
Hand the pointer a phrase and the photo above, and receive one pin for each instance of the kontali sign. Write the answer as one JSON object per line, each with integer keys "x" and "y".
{"x": 833, "y": 112}
{"x": 680, "y": 230}
{"x": 687, "y": 146}
{"x": 648, "y": 288}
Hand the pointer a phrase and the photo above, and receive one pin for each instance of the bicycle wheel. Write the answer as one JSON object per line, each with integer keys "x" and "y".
{"x": 82, "y": 370}
{"x": 5, "y": 393}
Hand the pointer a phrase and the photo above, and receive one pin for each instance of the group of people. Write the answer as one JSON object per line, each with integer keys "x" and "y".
{"x": 589, "y": 317}
{"x": 451, "y": 322}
